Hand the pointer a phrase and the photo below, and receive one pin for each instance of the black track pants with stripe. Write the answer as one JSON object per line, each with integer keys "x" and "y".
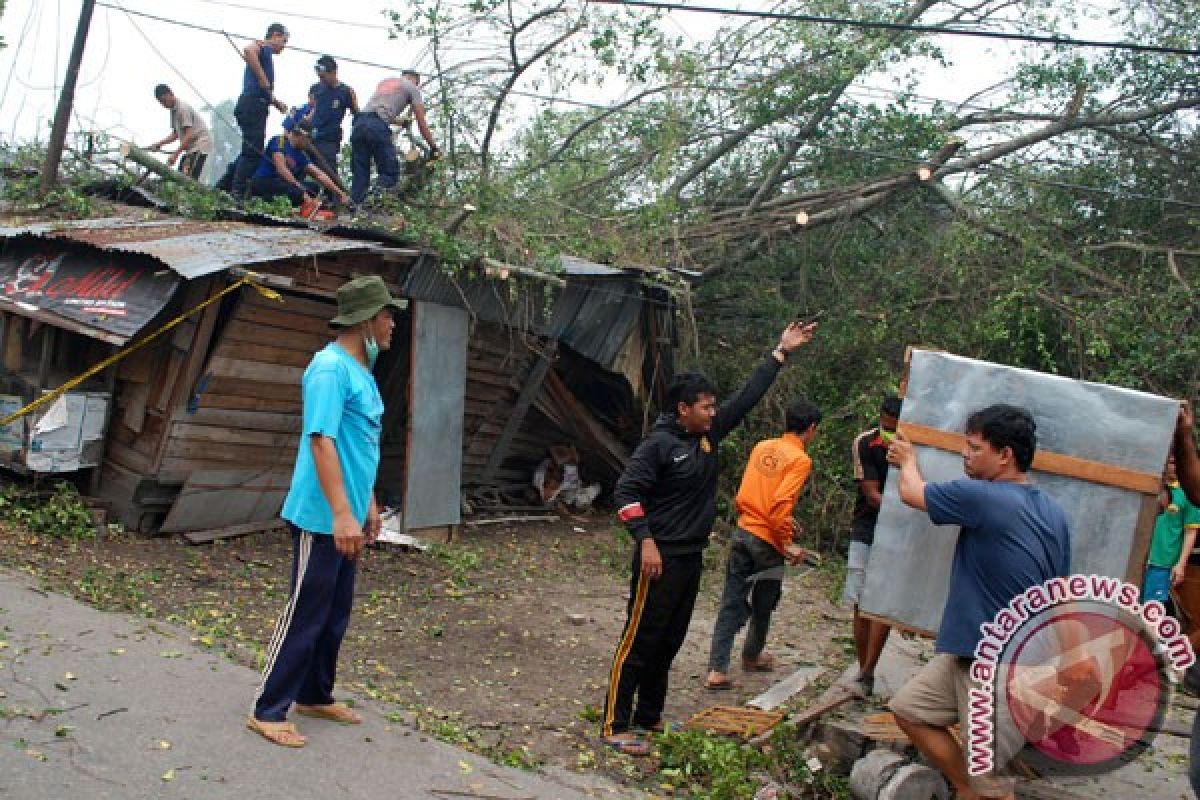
{"x": 302, "y": 656}
{"x": 656, "y": 624}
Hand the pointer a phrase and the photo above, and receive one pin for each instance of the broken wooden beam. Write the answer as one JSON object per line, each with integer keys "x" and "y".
{"x": 778, "y": 694}
{"x": 230, "y": 531}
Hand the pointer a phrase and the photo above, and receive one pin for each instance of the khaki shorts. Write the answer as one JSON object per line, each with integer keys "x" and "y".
{"x": 939, "y": 696}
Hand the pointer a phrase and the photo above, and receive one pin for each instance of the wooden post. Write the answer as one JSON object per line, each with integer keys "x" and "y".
{"x": 14, "y": 343}
{"x": 529, "y": 392}
{"x": 43, "y": 376}
{"x": 62, "y": 115}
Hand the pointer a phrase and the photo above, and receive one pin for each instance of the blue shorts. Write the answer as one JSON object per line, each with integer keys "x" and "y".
{"x": 1156, "y": 585}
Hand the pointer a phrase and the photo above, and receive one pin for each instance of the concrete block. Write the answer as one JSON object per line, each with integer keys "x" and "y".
{"x": 872, "y": 772}
{"x": 915, "y": 782}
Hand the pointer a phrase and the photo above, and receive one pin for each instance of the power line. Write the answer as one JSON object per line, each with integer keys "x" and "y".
{"x": 1057, "y": 40}
{"x": 340, "y": 58}
{"x": 293, "y": 15}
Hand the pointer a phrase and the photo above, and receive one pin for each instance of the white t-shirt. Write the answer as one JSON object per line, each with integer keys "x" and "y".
{"x": 184, "y": 116}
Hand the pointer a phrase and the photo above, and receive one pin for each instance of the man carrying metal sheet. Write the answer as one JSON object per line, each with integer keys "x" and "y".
{"x": 667, "y": 499}
{"x": 869, "y": 454}
{"x": 332, "y": 514}
{"x": 1013, "y": 537}
{"x": 761, "y": 543}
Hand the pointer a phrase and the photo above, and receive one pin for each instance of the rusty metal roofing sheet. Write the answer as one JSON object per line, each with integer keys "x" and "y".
{"x": 191, "y": 248}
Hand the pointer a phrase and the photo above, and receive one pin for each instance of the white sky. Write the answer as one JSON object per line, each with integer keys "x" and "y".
{"x": 120, "y": 68}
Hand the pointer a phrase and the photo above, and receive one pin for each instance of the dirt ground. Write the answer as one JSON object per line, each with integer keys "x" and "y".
{"x": 500, "y": 641}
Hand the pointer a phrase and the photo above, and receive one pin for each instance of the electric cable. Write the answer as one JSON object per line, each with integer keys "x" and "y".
{"x": 1056, "y": 40}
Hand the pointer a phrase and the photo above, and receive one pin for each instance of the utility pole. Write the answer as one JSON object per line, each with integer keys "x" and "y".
{"x": 62, "y": 115}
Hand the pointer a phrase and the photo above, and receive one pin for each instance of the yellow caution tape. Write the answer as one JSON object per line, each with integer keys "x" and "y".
{"x": 248, "y": 280}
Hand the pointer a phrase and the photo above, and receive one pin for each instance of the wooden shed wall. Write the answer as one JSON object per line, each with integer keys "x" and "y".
{"x": 248, "y": 407}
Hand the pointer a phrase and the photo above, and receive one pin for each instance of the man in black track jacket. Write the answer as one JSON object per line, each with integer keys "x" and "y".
{"x": 667, "y": 499}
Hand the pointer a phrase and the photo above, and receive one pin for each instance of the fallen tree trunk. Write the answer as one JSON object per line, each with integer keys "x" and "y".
{"x": 143, "y": 159}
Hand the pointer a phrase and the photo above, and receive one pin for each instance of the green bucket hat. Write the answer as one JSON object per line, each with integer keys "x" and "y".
{"x": 362, "y": 298}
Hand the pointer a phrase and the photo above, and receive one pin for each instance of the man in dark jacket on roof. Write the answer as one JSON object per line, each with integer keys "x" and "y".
{"x": 667, "y": 499}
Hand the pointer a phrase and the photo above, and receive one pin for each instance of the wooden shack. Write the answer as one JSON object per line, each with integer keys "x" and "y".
{"x": 488, "y": 368}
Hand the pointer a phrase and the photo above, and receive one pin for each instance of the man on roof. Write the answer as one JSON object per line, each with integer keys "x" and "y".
{"x": 371, "y": 137}
{"x": 284, "y": 164}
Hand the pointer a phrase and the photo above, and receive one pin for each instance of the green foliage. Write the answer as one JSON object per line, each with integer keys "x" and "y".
{"x": 708, "y": 767}
{"x": 57, "y": 514}
{"x": 275, "y": 207}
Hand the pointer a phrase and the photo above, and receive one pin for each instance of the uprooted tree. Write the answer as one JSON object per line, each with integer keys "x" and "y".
{"x": 1047, "y": 221}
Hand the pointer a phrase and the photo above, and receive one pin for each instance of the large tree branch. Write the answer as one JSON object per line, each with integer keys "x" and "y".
{"x": 1069, "y": 121}
{"x": 734, "y": 139}
{"x": 518, "y": 69}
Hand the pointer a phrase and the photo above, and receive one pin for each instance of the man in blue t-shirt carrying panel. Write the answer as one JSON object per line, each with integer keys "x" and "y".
{"x": 331, "y": 511}
{"x": 329, "y": 99}
{"x": 284, "y": 163}
{"x": 1013, "y": 537}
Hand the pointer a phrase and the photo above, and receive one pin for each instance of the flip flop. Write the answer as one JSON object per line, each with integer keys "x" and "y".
{"x": 627, "y": 745}
{"x": 337, "y": 712}
{"x": 283, "y": 734}
{"x": 719, "y": 686}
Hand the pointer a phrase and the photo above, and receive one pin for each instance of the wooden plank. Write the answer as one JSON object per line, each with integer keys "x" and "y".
{"x": 250, "y": 420}
{"x": 213, "y": 433}
{"x": 248, "y": 388}
{"x": 14, "y": 342}
{"x": 208, "y": 452}
{"x": 282, "y": 318}
{"x": 229, "y": 402}
{"x": 1045, "y": 461}
{"x": 127, "y": 457}
{"x": 218, "y": 498}
{"x": 778, "y": 694}
{"x": 292, "y": 303}
{"x": 232, "y": 531}
{"x": 1143, "y": 532}
{"x": 240, "y": 330}
{"x": 136, "y": 396}
{"x": 222, "y": 367}
{"x": 274, "y": 353}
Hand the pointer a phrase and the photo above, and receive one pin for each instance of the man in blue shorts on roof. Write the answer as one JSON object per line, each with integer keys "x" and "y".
{"x": 331, "y": 511}
{"x": 254, "y": 105}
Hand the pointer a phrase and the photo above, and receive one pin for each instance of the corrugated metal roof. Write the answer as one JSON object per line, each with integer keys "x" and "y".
{"x": 190, "y": 248}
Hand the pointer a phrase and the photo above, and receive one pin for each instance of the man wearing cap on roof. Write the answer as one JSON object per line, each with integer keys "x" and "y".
{"x": 283, "y": 165}
{"x": 253, "y": 106}
{"x": 371, "y": 135}
{"x": 331, "y": 512}
{"x": 187, "y": 128}
{"x": 328, "y": 100}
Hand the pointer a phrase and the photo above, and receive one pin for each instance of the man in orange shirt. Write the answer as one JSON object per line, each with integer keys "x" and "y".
{"x": 762, "y": 543}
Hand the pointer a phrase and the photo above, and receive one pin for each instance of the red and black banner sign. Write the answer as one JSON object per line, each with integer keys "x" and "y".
{"x": 97, "y": 290}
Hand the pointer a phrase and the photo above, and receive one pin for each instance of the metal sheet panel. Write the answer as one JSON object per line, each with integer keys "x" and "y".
{"x": 191, "y": 248}
{"x": 437, "y": 397}
{"x": 909, "y": 571}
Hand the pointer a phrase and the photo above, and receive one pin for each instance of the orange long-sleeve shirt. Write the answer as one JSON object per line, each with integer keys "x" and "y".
{"x": 774, "y": 476}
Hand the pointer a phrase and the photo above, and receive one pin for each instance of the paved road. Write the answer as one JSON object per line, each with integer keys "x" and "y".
{"x": 98, "y": 705}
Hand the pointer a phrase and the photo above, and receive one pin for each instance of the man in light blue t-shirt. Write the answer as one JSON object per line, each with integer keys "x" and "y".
{"x": 331, "y": 511}
{"x": 1013, "y": 537}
